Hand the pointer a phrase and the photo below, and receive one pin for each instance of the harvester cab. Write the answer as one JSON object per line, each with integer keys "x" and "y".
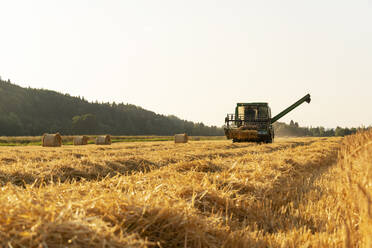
{"x": 252, "y": 122}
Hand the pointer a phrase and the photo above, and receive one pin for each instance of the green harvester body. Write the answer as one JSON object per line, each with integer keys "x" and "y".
{"x": 252, "y": 122}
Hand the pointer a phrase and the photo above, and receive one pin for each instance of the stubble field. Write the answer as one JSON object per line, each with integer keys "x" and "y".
{"x": 296, "y": 192}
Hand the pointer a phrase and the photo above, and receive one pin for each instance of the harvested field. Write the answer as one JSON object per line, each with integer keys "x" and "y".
{"x": 310, "y": 192}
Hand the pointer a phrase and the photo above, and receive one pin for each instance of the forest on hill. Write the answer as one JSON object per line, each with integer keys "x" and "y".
{"x": 28, "y": 111}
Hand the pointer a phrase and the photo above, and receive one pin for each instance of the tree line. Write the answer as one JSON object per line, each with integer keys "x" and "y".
{"x": 294, "y": 129}
{"x": 28, "y": 111}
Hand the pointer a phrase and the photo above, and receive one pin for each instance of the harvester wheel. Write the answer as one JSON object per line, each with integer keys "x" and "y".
{"x": 269, "y": 140}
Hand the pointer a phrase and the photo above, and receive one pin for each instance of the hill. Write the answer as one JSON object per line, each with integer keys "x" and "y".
{"x": 28, "y": 111}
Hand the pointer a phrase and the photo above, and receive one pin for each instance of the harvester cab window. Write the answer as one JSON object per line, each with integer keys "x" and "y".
{"x": 240, "y": 113}
{"x": 262, "y": 112}
{"x": 251, "y": 112}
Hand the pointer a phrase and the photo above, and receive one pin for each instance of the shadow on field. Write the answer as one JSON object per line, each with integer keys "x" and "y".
{"x": 17, "y": 178}
{"x": 67, "y": 234}
{"x": 88, "y": 171}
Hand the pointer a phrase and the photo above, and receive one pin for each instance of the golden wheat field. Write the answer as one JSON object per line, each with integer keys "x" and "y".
{"x": 296, "y": 192}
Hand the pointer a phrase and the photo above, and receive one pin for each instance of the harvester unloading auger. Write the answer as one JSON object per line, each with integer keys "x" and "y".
{"x": 253, "y": 122}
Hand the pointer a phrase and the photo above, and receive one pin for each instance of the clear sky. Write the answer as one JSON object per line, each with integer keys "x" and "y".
{"x": 196, "y": 59}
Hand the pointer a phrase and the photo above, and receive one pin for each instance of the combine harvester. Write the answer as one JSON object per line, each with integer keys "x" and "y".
{"x": 252, "y": 122}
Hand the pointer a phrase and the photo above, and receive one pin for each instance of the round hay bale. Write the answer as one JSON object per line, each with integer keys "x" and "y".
{"x": 52, "y": 140}
{"x": 181, "y": 138}
{"x": 80, "y": 140}
{"x": 103, "y": 140}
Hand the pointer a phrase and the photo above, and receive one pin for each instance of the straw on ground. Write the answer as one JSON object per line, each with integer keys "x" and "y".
{"x": 292, "y": 193}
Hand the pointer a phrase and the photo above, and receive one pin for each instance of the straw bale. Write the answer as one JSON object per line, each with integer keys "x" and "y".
{"x": 52, "y": 140}
{"x": 103, "y": 140}
{"x": 181, "y": 138}
{"x": 80, "y": 140}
